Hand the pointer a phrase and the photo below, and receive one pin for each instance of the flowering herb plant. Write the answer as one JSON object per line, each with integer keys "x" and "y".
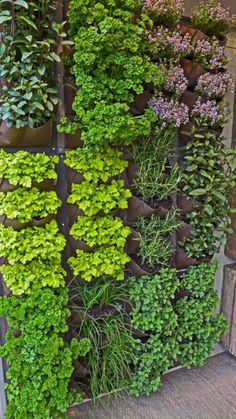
{"x": 166, "y": 43}
{"x": 210, "y": 113}
{"x": 175, "y": 81}
{"x": 164, "y": 12}
{"x": 215, "y": 86}
{"x": 212, "y": 18}
{"x": 169, "y": 111}
{"x": 210, "y": 54}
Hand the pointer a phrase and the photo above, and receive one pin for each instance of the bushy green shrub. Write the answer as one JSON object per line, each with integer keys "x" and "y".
{"x": 92, "y": 198}
{"x": 23, "y": 168}
{"x": 20, "y": 279}
{"x": 111, "y": 66}
{"x": 104, "y": 261}
{"x": 41, "y": 362}
{"x": 42, "y": 243}
{"x": 94, "y": 165}
{"x": 100, "y": 230}
{"x": 25, "y": 204}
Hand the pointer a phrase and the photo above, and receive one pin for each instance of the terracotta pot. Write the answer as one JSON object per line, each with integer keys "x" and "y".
{"x": 194, "y": 33}
{"x": 138, "y": 208}
{"x": 140, "y": 103}
{"x": 192, "y": 71}
{"x": 26, "y": 136}
{"x": 189, "y": 98}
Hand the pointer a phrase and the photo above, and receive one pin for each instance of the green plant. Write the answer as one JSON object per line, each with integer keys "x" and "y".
{"x": 43, "y": 243}
{"x": 100, "y": 230}
{"x": 96, "y": 166}
{"x": 21, "y": 278}
{"x": 164, "y": 12}
{"x": 26, "y": 204}
{"x": 152, "y": 358}
{"x": 212, "y": 18}
{"x": 155, "y": 246}
{"x": 156, "y": 179}
{"x": 104, "y": 261}
{"x": 210, "y": 181}
{"x": 152, "y": 298}
{"x": 40, "y": 360}
{"x": 23, "y": 168}
{"x": 26, "y": 62}
{"x": 93, "y": 198}
{"x": 111, "y": 66}
{"x": 199, "y": 279}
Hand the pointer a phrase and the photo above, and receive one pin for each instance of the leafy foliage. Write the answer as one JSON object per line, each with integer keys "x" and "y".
{"x": 20, "y": 279}
{"x": 110, "y": 67}
{"x": 26, "y": 204}
{"x": 156, "y": 178}
{"x": 26, "y": 63}
{"x": 104, "y": 261}
{"x": 93, "y": 198}
{"x": 23, "y": 168}
{"x": 40, "y": 360}
{"x": 154, "y": 233}
{"x": 210, "y": 181}
{"x": 96, "y": 166}
{"x": 41, "y": 243}
{"x": 100, "y": 230}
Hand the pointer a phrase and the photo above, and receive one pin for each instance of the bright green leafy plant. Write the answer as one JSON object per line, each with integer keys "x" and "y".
{"x": 154, "y": 233}
{"x": 41, "y": 362}
{"x": 104, "y": 261}
{"x": 25, "y": 204}
{"x": 96, "y": 166}
{"x": 156, "y": 179}
{"x": 100, "y": 230}
{"x": 210, "y": 181}
{"x": 20, "y": 279}
{"x": 93, "y": 198}
{"x": 111, "y": 66}
{"x": 44, "y": 243}
{"x": 23, "y": 168}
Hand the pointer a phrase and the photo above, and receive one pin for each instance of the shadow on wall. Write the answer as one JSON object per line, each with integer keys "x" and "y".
{"x": 190, "y": 3}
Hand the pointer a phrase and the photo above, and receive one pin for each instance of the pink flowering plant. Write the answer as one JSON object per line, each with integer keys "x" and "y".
{"x": 212, "y": 18}
{"x": 210, "y": 113}
{"x": 215, "y": 86}
{"x": 169, "y": 44}
{"x": 175, "y": 80}
{"x": 210, "y": 54}
{"x": 164, "y": 12}
{"x": 169, "y": 111}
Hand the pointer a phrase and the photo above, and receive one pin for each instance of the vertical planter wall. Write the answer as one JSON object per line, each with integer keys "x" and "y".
{"x": 143, "y": 194}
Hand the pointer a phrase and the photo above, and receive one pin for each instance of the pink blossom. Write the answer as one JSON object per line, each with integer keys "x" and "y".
{"x": 215, "y": 86}
{"x": 210, "y": 113}
{"x": 169, "y": 111}
{"x": 167, "y": 43}
{"x": 210, "y": 54}
{"x": 175, "y": 80}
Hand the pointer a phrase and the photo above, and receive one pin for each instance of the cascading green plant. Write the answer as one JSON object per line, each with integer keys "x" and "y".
{"x": 41, "y": 362}
{"x": 23, "y": 168}
{"x": 96, "y": 166}
{"x": 25, "y": 204}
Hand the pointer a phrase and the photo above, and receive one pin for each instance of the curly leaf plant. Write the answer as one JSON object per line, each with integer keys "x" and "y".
{"x": 23, "y": 168}
{"x": 111, "y": 66}
{"x": 27, "y": 204}
{"x": 41, "y": 362}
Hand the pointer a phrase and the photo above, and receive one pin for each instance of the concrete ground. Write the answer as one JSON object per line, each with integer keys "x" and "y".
{"x": 199, "y": 393}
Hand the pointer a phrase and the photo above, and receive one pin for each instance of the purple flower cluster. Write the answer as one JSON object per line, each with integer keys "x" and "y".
{"x": 215, "y": 86}
{"x": 211, "y": 15}
{"x": 210, "y": 54}
{"x": 170, "y": 43}
{"x": 163, "y": 8}
{"x": 210, "y": 113}
{"x": 169, "y": 112}
{"x": 175, "y": 81}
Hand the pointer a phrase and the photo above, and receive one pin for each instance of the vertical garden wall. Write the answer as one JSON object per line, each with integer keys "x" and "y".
{"x": 114, "y": 195}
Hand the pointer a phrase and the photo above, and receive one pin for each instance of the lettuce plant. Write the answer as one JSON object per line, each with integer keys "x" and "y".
{"x": 92, "y": 198}
{"x": 41, "y": 362}
{"x": 41, "y": 243}
{"x": 25, "y": 204}
{"x": 21, "y": 279}
{"x": 100, "y": 230}
{"x": 104, "y": 261}
{"x": 23, "y": 168}
{"x": 96, "y": 166}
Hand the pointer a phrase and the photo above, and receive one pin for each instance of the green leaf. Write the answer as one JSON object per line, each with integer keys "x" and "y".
{"x": 198, "y": 192}
{"x": 28, "y": 21}
{"x": 22, "y": 3}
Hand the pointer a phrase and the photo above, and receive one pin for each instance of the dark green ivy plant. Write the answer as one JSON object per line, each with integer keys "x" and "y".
{"x": 111, "y": 66}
